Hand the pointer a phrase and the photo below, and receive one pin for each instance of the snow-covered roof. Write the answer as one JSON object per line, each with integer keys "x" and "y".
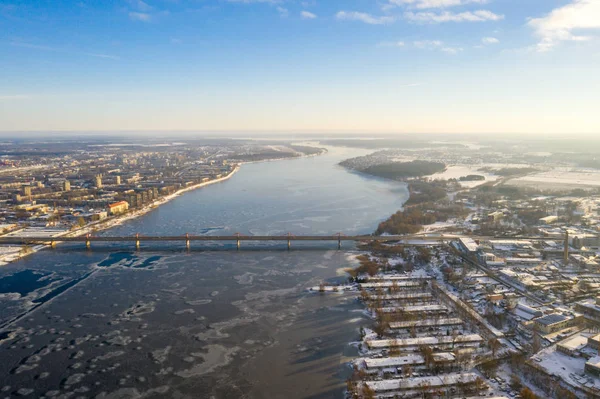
{"x": 385, "y": 343}
{"x": 412, "y": 383}
{"x": 414, "y": 309}
{"x": 426, "y": 323}
{"x": 387, "y": 284}
{"x": 594, "y": 362}
{"x": 575, "y": 343}
{"x": 551, "y": 319}
{"x": 385, "y": 277}
{"x": 405, "y": 295}
{"x": 412, "y": 359}
{"x": 469, "y": 244}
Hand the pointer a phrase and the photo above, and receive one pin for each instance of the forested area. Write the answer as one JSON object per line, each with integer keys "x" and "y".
{"x": 401, "y": 170}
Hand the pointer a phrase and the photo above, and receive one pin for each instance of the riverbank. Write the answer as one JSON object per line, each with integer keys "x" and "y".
{"x": 323, "y": 151}
{"x": 18, "y": 254}
{"x": 12, "y": 254}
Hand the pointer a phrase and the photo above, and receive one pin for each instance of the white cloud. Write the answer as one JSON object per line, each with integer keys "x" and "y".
{"x": 423, "y": 4}
{"x": 427, "y": 43}
{"x": 451, "y": 50}
{"x": 100, "y": 55}
{"x": 436, "y": 45}
{"x": 140, "y": 16}
{"x": 283, "y": 12}
{"x": 254, "y": 1}
{"x": 561, "y": 23}
{"x": 364, "y": 17}
{"x": 140, "y": 5}
{"x": 391, "y": 44}
{"x": 61, "y": 50}
{"x": 446, "y": 16}
{"x": 490, "y": 40}
{"x": 307, "y": 15}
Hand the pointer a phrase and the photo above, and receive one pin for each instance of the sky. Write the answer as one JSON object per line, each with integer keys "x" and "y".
{"x": 380, "y": 66}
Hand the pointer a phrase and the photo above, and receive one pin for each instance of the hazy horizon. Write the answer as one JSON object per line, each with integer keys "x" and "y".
{"x": 410, "y": 66}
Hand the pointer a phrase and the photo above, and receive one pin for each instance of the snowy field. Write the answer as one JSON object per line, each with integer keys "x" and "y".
{"x": 458, "y": 171}
{"x": 561, "y": 178}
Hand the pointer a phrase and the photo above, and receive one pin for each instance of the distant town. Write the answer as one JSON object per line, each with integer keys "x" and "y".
{"x": 55, "y": 188}
{"x": 510, "y": 308}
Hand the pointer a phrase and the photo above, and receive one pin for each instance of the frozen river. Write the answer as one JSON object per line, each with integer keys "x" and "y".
{"x": 211, "y": 323}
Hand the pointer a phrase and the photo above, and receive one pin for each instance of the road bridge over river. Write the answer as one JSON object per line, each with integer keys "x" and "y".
{"x": 239, "y": 238}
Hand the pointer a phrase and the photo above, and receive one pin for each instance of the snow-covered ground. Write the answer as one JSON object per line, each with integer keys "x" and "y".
{"x": 561, "y": 176}
{"x": 10, "y": 256}
{"x": 569, "y": 369}
{"x": 458, "y": 171}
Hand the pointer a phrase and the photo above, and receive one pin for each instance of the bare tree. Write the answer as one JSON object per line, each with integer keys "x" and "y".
{"x": 494, "y": 345}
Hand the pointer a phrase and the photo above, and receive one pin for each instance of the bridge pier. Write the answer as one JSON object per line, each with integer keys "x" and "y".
{"x": 137, "y": 242}
{"x": 88, "y": 243}
{"x": 187, "y": 241}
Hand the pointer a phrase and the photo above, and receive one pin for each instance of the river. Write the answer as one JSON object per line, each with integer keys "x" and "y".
{"x": 210, "y": 323}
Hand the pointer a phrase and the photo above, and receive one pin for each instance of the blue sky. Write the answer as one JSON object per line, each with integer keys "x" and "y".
{"x": 470, "y": 66}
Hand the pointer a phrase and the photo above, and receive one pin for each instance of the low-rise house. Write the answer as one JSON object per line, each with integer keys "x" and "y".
{"x": 573, "y": 346}
{"x": 592, "y": 366}
{"x": 555, "y": 322}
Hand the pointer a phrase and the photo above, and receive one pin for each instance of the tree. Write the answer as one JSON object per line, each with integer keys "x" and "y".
{"x": 352, "y": 272}
{"x": 427, "y": 354}
{"x": 424, "y": 387}
{"x": 423, "y": 255}
{"x": 515, "y": 382}
{"x": 489, "y": 368}
{"x": 494, "y": 345}
{"x": 454, "y": 337}
{"x": 536, "y": 344}
{"x": 368, "y": 393}
{"x": 526, "y": 393}
{"x": 480, "y": 385}
{"x": 351, "y": 389}
{"x": 364, "y": 296}
{"x": 382, "y": 324}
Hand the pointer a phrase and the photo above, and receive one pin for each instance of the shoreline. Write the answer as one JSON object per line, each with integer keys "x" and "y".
{"x": 324, "y": 151}
{"x": 6, "y": 259}
{"x": 114, "y": 222}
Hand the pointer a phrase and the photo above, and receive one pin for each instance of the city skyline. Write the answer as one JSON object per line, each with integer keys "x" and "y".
{"x": 393, "y": 66}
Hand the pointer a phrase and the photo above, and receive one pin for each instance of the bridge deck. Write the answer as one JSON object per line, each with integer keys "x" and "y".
{"x": 144, "y": 238}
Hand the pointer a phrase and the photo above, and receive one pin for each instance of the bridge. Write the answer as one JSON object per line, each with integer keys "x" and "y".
{"x": 238, "y": 238}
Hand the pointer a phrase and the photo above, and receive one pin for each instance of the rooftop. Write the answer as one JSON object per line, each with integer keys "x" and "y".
{"x": 575, "y": 343}
{"x": 384, "y": 343}
{"x": 551, "y": 319}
